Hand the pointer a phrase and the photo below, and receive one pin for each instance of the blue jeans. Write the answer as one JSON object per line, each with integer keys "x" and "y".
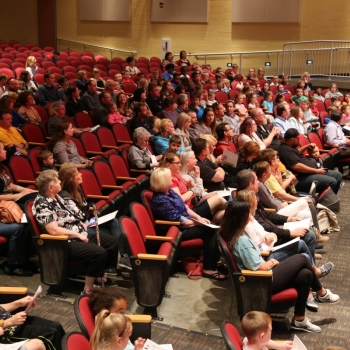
{"x": 112, "y": 228}
{"x": 283, "y": 254}
{"x": 332, "y": 178}
{"x": 18, "y": 243}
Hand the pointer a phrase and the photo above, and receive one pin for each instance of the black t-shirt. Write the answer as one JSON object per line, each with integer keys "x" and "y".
{"x": 290, "y": 156}
{"x": 208, "y": 170}
{"x": 264, "y": 133}
{"x": 155, "y": 105}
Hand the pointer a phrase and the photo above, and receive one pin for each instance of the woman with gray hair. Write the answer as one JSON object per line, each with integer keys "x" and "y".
{"x": 53, "y": 215}
{"x": 140, "y": 157}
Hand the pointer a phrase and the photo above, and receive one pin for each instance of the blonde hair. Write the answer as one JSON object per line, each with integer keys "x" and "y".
{"x": 248, "y": 196}
{"x": 44, "y": 179}
{"x": 30, "y": 60}
{"x": 54, "y": 107}
{"x": 209, "y": 138}
{"x": 163, "y": 124}
{"x": 180, "y": 123}
{"x": 160, "y": 179}
{"x": 109, "y": 327}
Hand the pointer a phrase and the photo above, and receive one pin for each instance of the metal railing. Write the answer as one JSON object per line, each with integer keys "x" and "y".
{"x": 241, "y": 58}
{"x": 85, "y": 45}
{"x": 320, "y": 57}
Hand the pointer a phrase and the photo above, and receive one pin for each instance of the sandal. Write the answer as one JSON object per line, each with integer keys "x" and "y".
{"x": 222, "y": 267}
{"x": 215, "y": 276}
{"x": 107, "y": 282}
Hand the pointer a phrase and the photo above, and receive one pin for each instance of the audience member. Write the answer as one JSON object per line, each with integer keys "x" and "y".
{"x": 225, "y": 134}
{"x": 123, "y": 105}
{"x": 46, "y": 160}
{"x": 142, "y": 119}
{"x": 82, "y": 79}
{"x": 248, "y": 133}
{"x": 182, "y": 125}
{"x": 96, "y": 77}
{"x": 182, "y": 104}
{"x": 27, "y": 111}
{"x": 101, "y": 113}
{"x": 161, "y": 139}
{"x": 153, "y": 99}
{"x": 90, "y": 98}
{"x": 169, "y": 110}
{"x": 207, "y": 124}
{"x": 48, "y": 91}
{"x": 283, "y": 111}
{"x": 333, "y": 92}
{"x": 62, "y": 90}
{"x": 74, "y": 103}
{"x": 31, "y": 66}
{"x": 8, "y": 101}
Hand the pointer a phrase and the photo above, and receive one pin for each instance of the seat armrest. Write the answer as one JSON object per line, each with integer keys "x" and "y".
{"x": 109, "y": 146}
{"x": 14, "y": 290}
{"x": 324, "y": 150}
{"x": 158, "y": 238}
{"x": 93, "y": 152}
{"x": 93, "y": 196}
{"x": 265, "y": 253}
{"x": 124, "y": 141}
{"x": 26, "y": 182}
{"x": 270, "y": 210}
{"x": 36, "y": 144}
{"x": 139, "y": 171}
{"x": 171, "y": 223}
{"x": 126, "y": 178}
{"x": 140, "y": 318}
{"x": 256, "y": 273}
{"x": 152, "y": 257}
{"x": 55, "y": 238}
{"x": 114, "y": 187}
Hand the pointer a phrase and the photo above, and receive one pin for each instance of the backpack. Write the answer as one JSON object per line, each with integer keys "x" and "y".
{"x": 327, "y": 220}
{"x": 330, "y": 200}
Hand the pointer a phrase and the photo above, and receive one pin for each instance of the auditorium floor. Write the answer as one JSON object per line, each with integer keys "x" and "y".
{"x": 201, "y": 305}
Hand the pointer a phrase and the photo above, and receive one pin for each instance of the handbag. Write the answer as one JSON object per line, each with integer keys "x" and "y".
{"x": 193, "y": 266}
{"x": 10, "y": 212}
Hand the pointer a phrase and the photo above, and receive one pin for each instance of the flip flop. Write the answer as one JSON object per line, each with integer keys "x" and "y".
{"x": 215, "y": 276}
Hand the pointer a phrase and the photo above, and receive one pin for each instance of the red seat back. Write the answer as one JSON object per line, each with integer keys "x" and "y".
{"x": 118, "y": 166}
{"x": 133, "y": 236}
{"x": 21, "y": 170}
{"x": 90, "y": 142}
{"x": 79, "y": 147}
{"x": 320, "y": 106}
{"x": 33, "y": 157}
{"x": 103, "y": 174}
{"x": 33, "y": 224}
{"x": 129, "y": 88}
{"x": 231, "y": 336}
{"x": 90, "y": 185}
{"x": 83, "y": 120}
{"x": 314, "y": 138}
{"x": 84, "y": 315}
{"x": 141, "y": 216}
{"x": 47, "y": 64}
{"x": 121, "y": 133}
{"x": 33, "y": 133}
{"x": 221, "y": 97}
{"x": 146, "y": 197}
{"x": 105, "y": 137}
{"x": 75, "y": 340}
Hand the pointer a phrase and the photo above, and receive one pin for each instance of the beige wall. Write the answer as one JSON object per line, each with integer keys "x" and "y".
{"x": 19, "y": 21}
{"x": 320, "y": 19}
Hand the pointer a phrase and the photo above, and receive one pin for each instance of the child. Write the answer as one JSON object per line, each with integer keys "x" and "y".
{"x": 313, "y": 106}
{"x": 225, "y": 86}
{"x": 281, "y": 90}
{"x": 205, "y": 78}
{"x": 118, "y": 78}
{"x": 306, "y": 93}
{"x": 345, "y": 109}
{"x": 274, "y": 81}
{"x": 330, "y": 109}
{"x": 336, "y": 103}
{"x": 346, "y": 99}
{"x": 267, "y": 104}
{"x": 333, "y": 92}
{"x": 176, "y": 80}
{"x": 21, "y": 87}
{"x": 298, "y": 97}
{"x": 127, "y": 78}
{"x": 314, "y": 156}
{"x": 252, "y": 101}
{"x": 118, "y": 89}
{"x": 257, "y": 327}
{"x": 239, "y": 102}
{"x": 279, "y": 99}
{"x": 309, "y": 116}
{"x": 114, "y": 116}
{"x": 318, "y": 95}
{"x": 213, "y": 86}
{"x": 46, "y": 161}
{"x": 218, "y": 78}
{"x": 175, "y": 145}
{"x": 211, "y": 98}
{"x": 112, "y": 331}
{"x": 285, "y": 79}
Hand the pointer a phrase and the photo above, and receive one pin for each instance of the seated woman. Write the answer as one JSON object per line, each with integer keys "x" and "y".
{"x": 73, "y": 104}
{"x": 182, "y": 125}
{"x": 140, "y": 95}
{"x": 168, "y": 205}
{"x": 31, "y": 66}
{"x": 169, "y": 110}
{"x": 168, "y": 58}
{"x": 247, "y": 132}
{"x": 298, "y": 208}
{"x": 209, "y": 207}
{"x": 207, "y": 124}
{"x": 225, "y": 134}
{"x": 161, "y": 139}
{"x": 71, "y": 192}
{"x": 53, "y": 215}
{"x": 112, "y": 300}
{"x": 294, "y": 272}
{"x": 96, "y": 76}
{"x": 247, "y": 155}
{"x": 212, "y": 142}
{"x": 27, "y": 111}
{"x": 20, "y": 327}
{"x": 8, "y": 102}
{"x": 64, "y": 149}
{"x": 139, "y": 155}
{"x": 267, "y": 240}
{"x": 298, "y": 121}
{"x": 29, "y": 84}
{"x": 112, "y": 332}
{"x": 123, "y": 105}
{"x": 82, "y": 79}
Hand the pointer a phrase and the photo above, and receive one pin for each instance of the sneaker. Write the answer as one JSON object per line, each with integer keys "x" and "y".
{"x": 305, "y": 325}
{"x": 17, "y": 272}
{"x": 322, "y": 239}
{"x": 311, "y": 304}
{"x": 326, "y": 269}
{"x": 124, "y": 262}
{"x": 113, "y": 272}
{"x": 329, "y": 297}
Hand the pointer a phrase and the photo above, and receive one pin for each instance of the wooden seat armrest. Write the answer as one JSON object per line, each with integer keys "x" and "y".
{"x": 93, "y": 152}
{"x": 124, "y": 141}
{"x": 126, "y": 178}
{"x": 152, "y": 257}
{"x": 54, "y": 238}
{"x": 159, "y": 238}
{"x": 256, "y": 273}
{"x": 172, "y": 223}
{"x": 14, "y": 290}
{"x": 36, "y": 143}
{"x": 324, "y": 150}
{"x": 109, "y": 146}
{"x": 26, "y": 182}
{"x": 48, "y": 138}
{"x": 114, "y": 187}
{"x": 264, "y": 253}
{"x": 140, "y": 318}
{"x": 270, "y": 210}
{"x": 93, "y": 196}
{"x": 57, "y": 165}
{"x": 139, "y": 171}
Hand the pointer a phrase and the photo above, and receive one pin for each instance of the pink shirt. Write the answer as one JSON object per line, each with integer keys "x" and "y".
{"x": 116, "y": 118}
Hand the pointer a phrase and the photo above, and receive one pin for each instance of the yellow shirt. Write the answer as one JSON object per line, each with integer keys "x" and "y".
{"x": 11, "y": 135}
{"x": 272, "y": 184}
{"x": 281, "y": 167}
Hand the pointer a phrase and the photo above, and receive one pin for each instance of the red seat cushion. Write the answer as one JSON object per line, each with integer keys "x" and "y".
{"x": 192, "y": 243}
{"x": 165, "y": 249}
{"x": 289, "y": 294}
{"x": 3, "y": 240}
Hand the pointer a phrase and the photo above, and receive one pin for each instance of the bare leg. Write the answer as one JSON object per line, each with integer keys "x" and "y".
{"x": 89, "y": 283}
{"x": 34, "y": 344}
{"x": 217, "y": 207}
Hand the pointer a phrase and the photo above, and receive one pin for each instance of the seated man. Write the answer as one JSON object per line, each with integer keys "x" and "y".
{"x": 335, "y": 137}
{"x": 306, "y": 170}
{"x": 225, "y": 134}
{"x": 153, "y": 100}
{"x": 182, "y": 104}
{"x": 10, "y": 137}
{"x": 90, "y": 98}
{"x": 48, "y": 91}
{"x": 283, "y": 111}
{"x": 213, "y": 176}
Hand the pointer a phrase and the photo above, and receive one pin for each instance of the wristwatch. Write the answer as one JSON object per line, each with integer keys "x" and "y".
{"x": 2, "y": 323}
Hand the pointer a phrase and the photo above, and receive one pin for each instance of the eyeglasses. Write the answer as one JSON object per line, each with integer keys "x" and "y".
{"x": 175, "y": 163}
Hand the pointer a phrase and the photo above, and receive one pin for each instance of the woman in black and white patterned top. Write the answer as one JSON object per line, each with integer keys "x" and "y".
{"x": 56, "y": 218}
